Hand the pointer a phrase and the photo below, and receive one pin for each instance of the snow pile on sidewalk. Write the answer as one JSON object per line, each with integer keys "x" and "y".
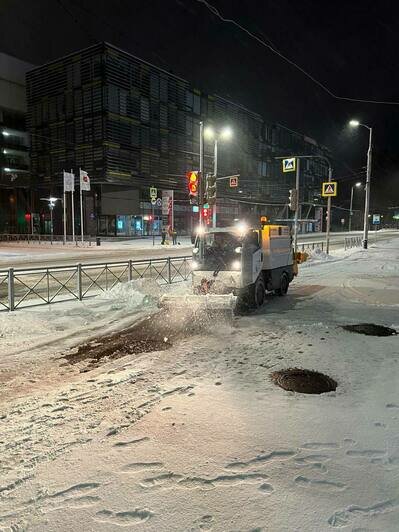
{"x": 59, "y": 326}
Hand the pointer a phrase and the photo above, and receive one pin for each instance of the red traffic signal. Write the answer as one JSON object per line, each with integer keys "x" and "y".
{"x": 28, "y": 217}
{"x": 205, "y": 212}
{"x": 192, "y": 178}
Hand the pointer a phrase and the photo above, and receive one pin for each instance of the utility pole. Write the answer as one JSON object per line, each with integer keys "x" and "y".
{"x": 351, "y": 206}
{"x": 201, "y": 189}
{"x": 356, "y": 123}
{"x": 297, "y": 206}
{"x": 328, "y": 211}
{"x": 350, "y": 211}
{"x": 73, "y": 208}
{"x": 215, "y": 173}
{"x": 64, "y": 209}
{"x": 51, "y": 222}
{"x": 367, "y": 200}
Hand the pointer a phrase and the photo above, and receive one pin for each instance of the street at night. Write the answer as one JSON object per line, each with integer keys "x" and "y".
{"x": 195, "y": 433}
{"x": 199, "y": 266}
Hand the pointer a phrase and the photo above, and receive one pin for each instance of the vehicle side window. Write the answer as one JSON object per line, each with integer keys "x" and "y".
{"x": 253, "y": 239}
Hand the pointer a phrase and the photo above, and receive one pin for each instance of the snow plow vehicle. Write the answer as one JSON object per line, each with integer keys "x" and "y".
{"x": 235, "y": 267}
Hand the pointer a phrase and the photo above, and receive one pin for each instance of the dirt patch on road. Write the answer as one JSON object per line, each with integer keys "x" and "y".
{"x": 154, "y": 333}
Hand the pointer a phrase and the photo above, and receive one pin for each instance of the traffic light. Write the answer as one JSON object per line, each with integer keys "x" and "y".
{"x": 193, "y": 184}
{"x": 206, "y": 214}
{"x": 28, "y": 217}
{"x": 210, "y": 189}
{"x": 293, "y": 204}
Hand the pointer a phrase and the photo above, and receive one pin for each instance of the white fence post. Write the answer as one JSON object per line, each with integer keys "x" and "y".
{"x": 11, "y": 292}
{"x": 79, "y": 281}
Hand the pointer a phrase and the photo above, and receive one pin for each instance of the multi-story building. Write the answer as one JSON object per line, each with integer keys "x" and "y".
{"x": 132, "y": 125}
{"x": 15, "y": 190}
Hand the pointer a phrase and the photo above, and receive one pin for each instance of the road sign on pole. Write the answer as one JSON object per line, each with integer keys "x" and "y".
{"x": 233, "y": 181}
{"x": 154, "y": 201}
{"x": 289, "y": 165}
{"x": 376, "y": 219}
{"x": 329, "y": 189}
{"x": 153, "y": 192}
{"x": 159, "y": 202}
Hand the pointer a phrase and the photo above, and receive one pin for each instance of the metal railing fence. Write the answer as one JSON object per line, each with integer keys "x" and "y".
{"x": 23, "y": 287}
{"x": 353, "y": 242}
{"x": 28, "y": 238}
{"x": 307, "y": 246}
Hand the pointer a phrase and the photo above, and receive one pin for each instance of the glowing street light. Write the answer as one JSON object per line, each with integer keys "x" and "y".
{"x": 356, "y": 185}
{"x": 51, "y": 204}
{"x": 226, "y": 133}
{"x": 356, "y": 123}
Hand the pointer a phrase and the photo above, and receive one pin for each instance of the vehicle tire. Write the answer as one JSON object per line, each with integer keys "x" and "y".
{"x": 284, "y": 283}
{"x": 258, "y": 292}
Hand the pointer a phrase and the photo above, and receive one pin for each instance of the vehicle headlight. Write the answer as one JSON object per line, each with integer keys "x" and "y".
{"x": 238, "y": 249}
{"x": 236, "y": 265}
{"x": 194, "y": 265}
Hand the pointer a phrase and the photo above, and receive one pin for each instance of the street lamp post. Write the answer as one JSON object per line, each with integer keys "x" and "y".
{"x": 51, "y": 204}
{"x": 224, "y": 134}
{"x": 356, "y": 123}
{"x": 350, "y": 209}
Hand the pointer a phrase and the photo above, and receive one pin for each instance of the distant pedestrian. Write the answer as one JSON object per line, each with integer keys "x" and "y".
{"x": 163, "y": 235}
{"x": 174, "y": 237}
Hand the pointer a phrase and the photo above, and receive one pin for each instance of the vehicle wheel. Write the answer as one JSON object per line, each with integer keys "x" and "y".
{"x": 284, "y": 283}
{"x": 259, "y": 292}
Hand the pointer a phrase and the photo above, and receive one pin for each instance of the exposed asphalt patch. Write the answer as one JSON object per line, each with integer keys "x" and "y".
{"x": 303, "y": 381}
{"x": 370, "y": 329}
{"x": 152, "y": 334}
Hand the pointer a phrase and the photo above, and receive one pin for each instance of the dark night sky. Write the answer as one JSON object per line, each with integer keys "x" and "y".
{"x": 350, "y": 46}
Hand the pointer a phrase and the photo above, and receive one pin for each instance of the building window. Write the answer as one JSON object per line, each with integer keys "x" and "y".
{"x": 145, "y": 110}
{"x": 262, "y": 168}
{"x": 154, "y": 85}
{"x": 189, "y": 100}
{"x": 197, "y": 104}
{"x": 163, "y": 89}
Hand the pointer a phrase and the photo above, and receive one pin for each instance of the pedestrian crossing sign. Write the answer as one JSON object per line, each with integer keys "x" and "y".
{"x": 289, "y": 165}
{"x": 329, "y": 189}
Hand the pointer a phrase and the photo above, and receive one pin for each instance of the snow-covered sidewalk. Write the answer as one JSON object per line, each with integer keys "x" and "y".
{"x": 196, "y": 436}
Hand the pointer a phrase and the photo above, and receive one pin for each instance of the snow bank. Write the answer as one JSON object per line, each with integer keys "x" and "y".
{"x": 55, "y": 327}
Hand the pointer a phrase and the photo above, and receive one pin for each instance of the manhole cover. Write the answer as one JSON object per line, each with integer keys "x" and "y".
{"x": 303, "y": 381}
{"x": 370, "y": 329}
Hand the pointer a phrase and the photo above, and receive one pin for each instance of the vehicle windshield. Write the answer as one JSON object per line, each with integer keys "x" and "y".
{"x": 220, "y": 249}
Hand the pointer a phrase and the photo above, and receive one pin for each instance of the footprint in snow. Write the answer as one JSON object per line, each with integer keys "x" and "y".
{"x": 318, "y": 445}
{"x": 325, "y": 485}
{"x": 346, "y": 516}
{"x": 123, "y": 518}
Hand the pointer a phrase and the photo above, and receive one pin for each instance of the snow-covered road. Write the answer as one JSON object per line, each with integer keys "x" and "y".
{"x": 196, "y": 436}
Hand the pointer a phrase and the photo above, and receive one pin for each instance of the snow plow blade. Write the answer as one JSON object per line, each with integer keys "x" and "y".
{"x": 196, "y": 303}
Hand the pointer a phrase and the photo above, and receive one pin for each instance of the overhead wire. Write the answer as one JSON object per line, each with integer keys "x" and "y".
{"x": 295, "y": 65}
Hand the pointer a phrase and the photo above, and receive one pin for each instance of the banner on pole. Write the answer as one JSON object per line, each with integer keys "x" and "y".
{"x": 84, "y": 180}
{"x": 69, "y": 182}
